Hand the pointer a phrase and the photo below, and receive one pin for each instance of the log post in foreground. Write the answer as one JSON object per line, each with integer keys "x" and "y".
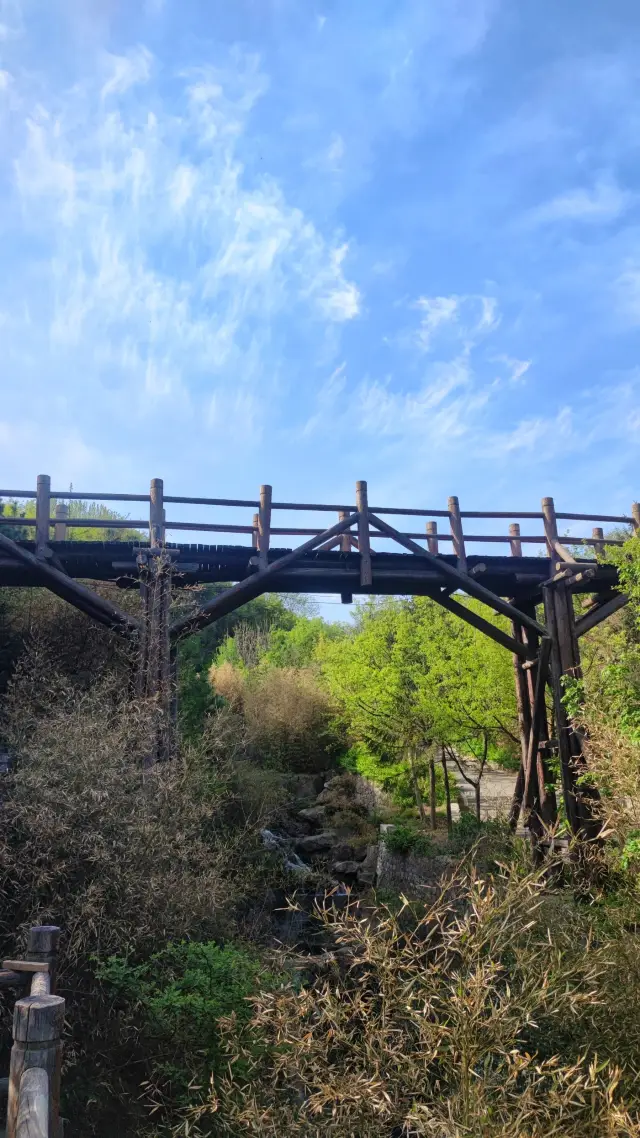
{"x": 37, "y": 1046}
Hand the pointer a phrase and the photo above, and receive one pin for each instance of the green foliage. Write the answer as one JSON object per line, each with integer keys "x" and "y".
{"x": 76, "y": 510}
{"x": 296, "y": 647}
{"x": 181, "y": 993}
{"x": 406, "y": 840}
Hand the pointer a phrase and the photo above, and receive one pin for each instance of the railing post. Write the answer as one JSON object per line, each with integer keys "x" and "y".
{"x": 432, "y": 537}
{"x": 60, "y": 528}
{"x": 43, "y": 506}
{"x": 42, "y": 946}
{"x": 364, "y": 545}
{"x": 635, "y": 515}
{"x": 37, "y": 1044}
{"x": 256, "y": 530}
{"x": 597, "y": 534}
{"x": 456, "y": 532}
{"x": 345, "y": 539}
{"x": 550, "y": 525}
{"x": 514, "y": 542}
{"x": 156, "y": 514}
{"x": 264, "y": 527}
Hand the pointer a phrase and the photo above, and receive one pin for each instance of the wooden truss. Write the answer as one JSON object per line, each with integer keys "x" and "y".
{"x": 543, "y": 653}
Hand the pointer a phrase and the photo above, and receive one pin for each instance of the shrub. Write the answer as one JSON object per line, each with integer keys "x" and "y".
{"x": 174, "y": 1002}
{"x": 288, "y": 716}
{"x": 406, "y": 840}
{"x": 443, "y": 1024}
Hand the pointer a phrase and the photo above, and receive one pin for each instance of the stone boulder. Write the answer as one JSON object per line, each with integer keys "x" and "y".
{"x": 315, "y": 814}
{"x": 367, "y": 868}
{"x": 316, "y": 843}
{"x": 345, "y": 852}
{"x": 345, "y": 868}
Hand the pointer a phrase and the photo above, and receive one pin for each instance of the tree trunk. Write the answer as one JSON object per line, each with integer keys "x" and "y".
{"x": 432, "y": 790}
{"x": 416, "y": 785}
{"x": 447, "y": 788}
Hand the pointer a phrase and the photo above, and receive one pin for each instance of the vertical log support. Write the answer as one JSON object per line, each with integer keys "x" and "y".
{"x": 579, "y": 797}
{"x": 362, "y": 506}
{"x": 635, "y": 516}
{"x": 550, "y": 525}
{"x": 42, "y": 946}
{"x": 256, "y": 531}
{"x": 60, "y": 528}
{"x": 598, "y": 538}
{"x": 514, "y": 540}
{"x": 264, "y": 527}
{"x": 37, "y": 1045}
{"x": 155, "y": 672}
{"x": 345, "y": 547}
{"x": 432, "y": 537}
{"x": 455, "y": 522}
{"x": 43, "y": 506}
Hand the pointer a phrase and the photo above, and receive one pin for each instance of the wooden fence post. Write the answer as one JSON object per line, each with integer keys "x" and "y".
{"x": 364, "y": 545}
{"x": 455, "y": 522}
{"x": 264, "y": 527}
{"x": 550, "y": 525}
{"x": 42, "y": 946}
{"x": 37, "y": 1044}
{"x": 598, "y": 535}
{"x": 345, "y": 547}
{"x": 256, "y": 530}
{"x": 60, "y": 528}
{"x": 43, "y": 506}
{"x": 156, "y": 514}
{"x": 432, "y": 537}
{"x": 635, "y": 516}
{"x": 514, "y": 542}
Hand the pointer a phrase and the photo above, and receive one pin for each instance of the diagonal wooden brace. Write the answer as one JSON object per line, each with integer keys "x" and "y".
{"x": 253, "y": 586}
{"x": 461, "y": 580}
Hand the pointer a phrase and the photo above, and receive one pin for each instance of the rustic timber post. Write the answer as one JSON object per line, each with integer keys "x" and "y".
{"x": 345, "y": 547}
{"x": 432, "y": 537}
{"x": 550, "y": 525}
{"x": 264, "y": 527}
{"x": 364, "y": 545}
{"x": 60, "y": 528}
{"x": 43, "y": 506}
{"x": 565, "y": 661}
{"x": 455, "y": 522}
{"x": 635, "y": 516}
{"x": 155, "y": 671}
{"x": 42, "y": 946}
{"x": 255, "y": 531}
{"x": 598, "y": 538}
{"x": 514, "y": 540}
{"x": 37, "y": 1046}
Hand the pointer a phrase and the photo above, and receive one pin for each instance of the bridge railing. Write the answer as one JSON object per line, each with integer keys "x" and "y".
{"x": 261, "y": 528}
{"x": 32, "y": 1088}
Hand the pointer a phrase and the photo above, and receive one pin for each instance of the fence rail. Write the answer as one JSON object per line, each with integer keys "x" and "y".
{"x": 262, "y": 530}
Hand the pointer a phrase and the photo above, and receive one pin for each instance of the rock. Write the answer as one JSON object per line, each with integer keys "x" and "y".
{"x": 367, "y": 868}
{"x": 316, "y": 814}
{"x": 359, "y": 853}
{"x": 316, "y": 843}
{"x": 294, "y": 828}
{"x": 345, "y": 852}
{"x": 345, "y": 868}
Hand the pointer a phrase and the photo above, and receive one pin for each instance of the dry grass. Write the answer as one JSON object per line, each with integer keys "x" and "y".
{"x": 123, "y": 863}
{"x": 436, "y": 1026}
{"x": 288, "y": 716}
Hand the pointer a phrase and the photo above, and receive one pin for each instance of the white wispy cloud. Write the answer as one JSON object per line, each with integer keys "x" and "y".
{"x": 603, "y": 202}
{"x": 468, "y": 317}
{"x": 166, "y": 270}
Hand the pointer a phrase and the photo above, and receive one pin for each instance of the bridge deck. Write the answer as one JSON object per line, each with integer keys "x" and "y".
{"x": 316, "y": 572}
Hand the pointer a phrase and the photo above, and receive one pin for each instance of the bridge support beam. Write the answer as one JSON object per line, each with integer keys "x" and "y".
{"x": 156, "y": 668}
{"x": 579, "y": 797}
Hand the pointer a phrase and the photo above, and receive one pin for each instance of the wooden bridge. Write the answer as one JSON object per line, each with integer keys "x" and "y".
{"x": 350, "y": 557}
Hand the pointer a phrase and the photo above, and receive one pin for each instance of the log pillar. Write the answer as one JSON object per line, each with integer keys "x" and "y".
{"x": 565, "y": 661}
{"x": 154, "y": 667}
{"x": 43, "y": 506}
{"x": 37, "y": 1046}
{"x": 541, "y": 809}
{"x": 42, "y": 946}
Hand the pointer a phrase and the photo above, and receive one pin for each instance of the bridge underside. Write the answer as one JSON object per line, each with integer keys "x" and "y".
{"x": 330, "y": 571}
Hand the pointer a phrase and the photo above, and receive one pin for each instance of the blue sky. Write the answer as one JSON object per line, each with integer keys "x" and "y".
{"x": 310, "y": 241}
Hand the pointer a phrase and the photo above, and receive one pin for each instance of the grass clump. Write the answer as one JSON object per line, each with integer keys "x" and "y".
{"x": 406, "y": 840}
{"x": 441, "y": 1024}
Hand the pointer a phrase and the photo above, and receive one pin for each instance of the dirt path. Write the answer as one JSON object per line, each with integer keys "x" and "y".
{"x": 496, "y": 789}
